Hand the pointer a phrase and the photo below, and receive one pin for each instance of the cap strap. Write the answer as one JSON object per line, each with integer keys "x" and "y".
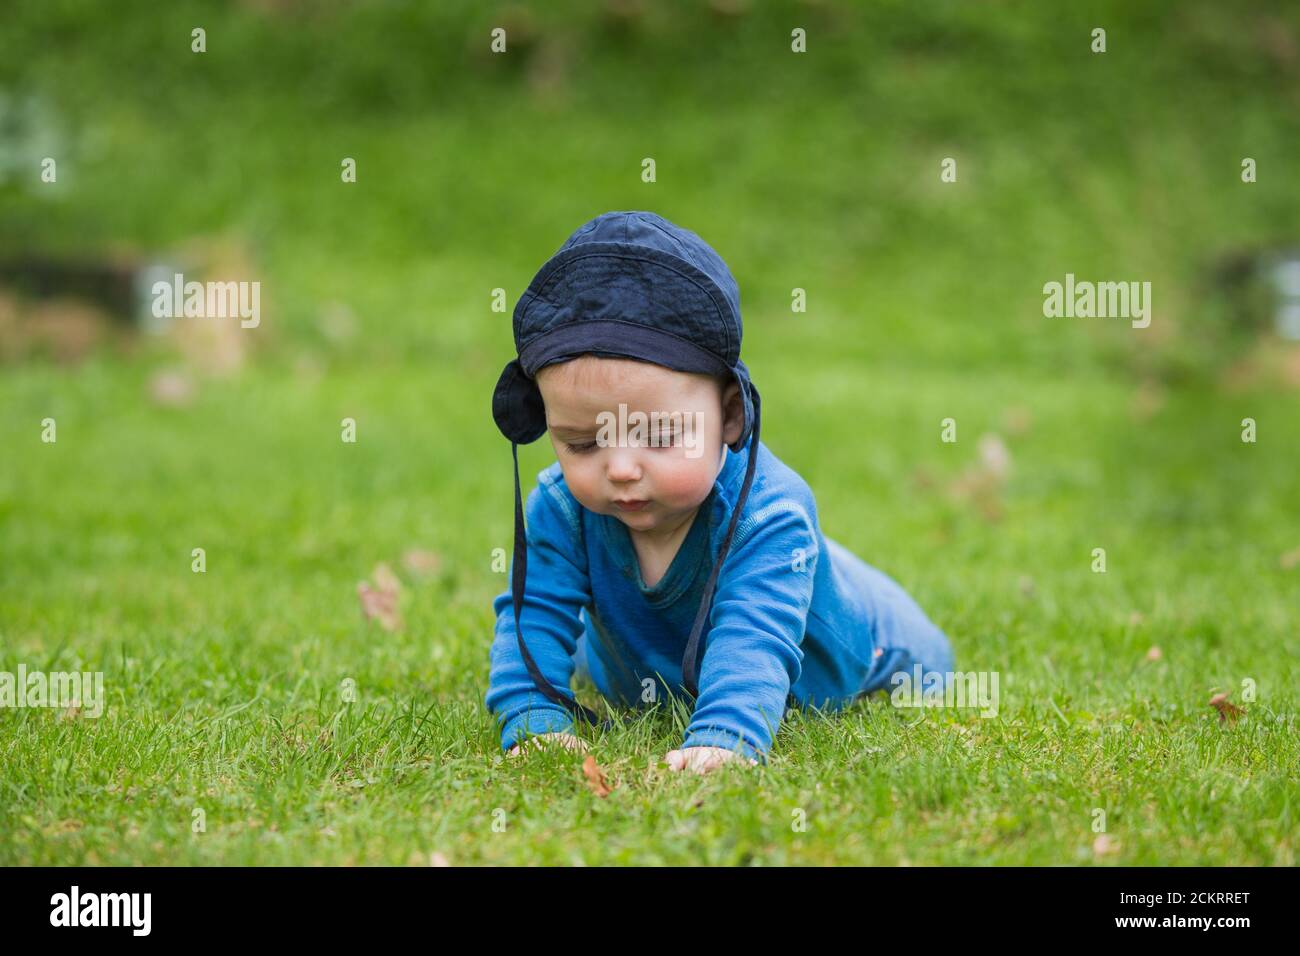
{"x": 518, "y": 577}
{"x": 706, "y": 603}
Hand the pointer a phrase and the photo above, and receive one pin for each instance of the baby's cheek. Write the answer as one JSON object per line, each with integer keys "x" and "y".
{"x": 583, "y": 483}
{"x": 685, "y": 482}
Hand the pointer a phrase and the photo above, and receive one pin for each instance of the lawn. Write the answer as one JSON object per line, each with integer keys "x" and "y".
{"x": 255, "y": 716}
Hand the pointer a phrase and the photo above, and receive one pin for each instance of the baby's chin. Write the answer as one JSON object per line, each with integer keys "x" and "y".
{"x": 638, "y": 520}
{"x": 654, "y": 517}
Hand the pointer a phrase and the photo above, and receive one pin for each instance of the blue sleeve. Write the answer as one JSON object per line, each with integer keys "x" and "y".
{"x": 752, "y": 652}
{"x": 556, "y": 591}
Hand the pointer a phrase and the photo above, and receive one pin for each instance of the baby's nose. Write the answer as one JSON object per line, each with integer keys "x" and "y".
{"x": 623, "y": 465}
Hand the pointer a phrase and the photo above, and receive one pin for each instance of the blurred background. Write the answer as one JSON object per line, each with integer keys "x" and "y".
{"x": 818, "y": 171}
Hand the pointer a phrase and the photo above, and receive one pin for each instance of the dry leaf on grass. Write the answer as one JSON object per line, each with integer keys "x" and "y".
{"x": 994, "y": 457}
{"x": 385, "y": 579}
{"x": 421, "y": 562}
{"x": 172, "y": 388}
{"x": 982, "y": 483}
{"x": 379, "y": 602}
{"x": 595, "y": 777}
{"x": 1017, "y": 420}
{"x": 1228, "y": 711}
{"x": 1104, "y": 846}
{"x": 380, "y": 606}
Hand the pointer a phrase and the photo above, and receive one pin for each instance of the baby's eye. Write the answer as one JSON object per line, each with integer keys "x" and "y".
{"x": 580, "y": 448}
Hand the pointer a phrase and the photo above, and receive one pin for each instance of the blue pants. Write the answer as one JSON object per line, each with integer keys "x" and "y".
{"x": 905, "y": 636}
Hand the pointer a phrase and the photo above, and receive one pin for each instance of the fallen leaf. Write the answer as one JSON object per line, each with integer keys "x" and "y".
{"x": 421, "y": 562}
{"x": 71, "y": 713}
{"x": 1017, "y": 420}
{"x": 595, "y": 777}
{"x": 981, "y": 483}
{"x": 1228, "y": 711}
{"x": 172, "y": 388}
{"x": 380, "y": 601}
{"x": 994, "y": 456}
{"x": 385, "y": 579}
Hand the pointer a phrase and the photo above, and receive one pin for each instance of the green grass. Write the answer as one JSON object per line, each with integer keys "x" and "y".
{"x": 224, "y": 688}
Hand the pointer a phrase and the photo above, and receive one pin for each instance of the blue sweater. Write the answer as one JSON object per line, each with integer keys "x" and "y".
{"x": 792, "y": 616}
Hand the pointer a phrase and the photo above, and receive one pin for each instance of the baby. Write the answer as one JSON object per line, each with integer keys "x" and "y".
{"x": 668, "y": 551}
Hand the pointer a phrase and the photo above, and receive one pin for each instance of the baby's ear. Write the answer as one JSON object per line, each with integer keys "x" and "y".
{"x": 733, "y": 413}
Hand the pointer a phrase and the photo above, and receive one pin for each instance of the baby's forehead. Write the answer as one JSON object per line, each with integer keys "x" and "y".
{"x": 601, "y": 372}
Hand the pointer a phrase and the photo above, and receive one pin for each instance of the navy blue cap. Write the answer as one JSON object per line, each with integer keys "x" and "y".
{"x": 624, "y": 285}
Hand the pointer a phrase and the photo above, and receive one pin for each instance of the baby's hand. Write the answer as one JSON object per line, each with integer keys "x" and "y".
{"x": 702, "y": 759}
{"x": 567, "y": 741}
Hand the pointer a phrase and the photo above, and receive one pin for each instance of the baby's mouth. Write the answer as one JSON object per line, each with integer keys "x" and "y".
{"x": 630, "y": 504}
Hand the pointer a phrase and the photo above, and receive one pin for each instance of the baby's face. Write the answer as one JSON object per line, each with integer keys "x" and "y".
{"x": 650, "y": 482}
